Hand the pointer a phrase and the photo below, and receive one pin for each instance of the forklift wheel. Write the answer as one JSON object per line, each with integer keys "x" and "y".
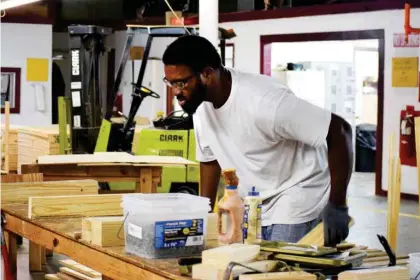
{"x": 187, "y": 190}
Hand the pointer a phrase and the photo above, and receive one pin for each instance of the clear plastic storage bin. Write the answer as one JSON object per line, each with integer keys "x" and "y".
{"x": 414, "y": 260}
{"x": 170, "y": 225}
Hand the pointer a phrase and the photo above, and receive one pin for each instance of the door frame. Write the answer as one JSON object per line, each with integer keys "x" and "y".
{"x": 379, "y": 34}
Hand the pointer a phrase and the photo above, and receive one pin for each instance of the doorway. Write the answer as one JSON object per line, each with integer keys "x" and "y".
{"x": 343, "y": 73}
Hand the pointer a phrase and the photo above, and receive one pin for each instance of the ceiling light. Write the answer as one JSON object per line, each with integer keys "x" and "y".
{"x": 14, "y": 3}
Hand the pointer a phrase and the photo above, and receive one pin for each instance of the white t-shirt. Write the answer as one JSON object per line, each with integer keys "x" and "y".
{"x": 275, "y": 141}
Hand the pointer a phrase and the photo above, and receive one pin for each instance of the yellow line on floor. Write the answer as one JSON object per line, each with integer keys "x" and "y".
{"x": 385, "y": 212}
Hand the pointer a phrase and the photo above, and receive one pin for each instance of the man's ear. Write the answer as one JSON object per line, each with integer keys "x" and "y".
{"x": 207, "y": 72}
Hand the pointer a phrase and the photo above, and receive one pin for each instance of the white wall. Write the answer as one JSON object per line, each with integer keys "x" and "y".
{"x": 18, "y": 42}
{"x": 247, "y": 58}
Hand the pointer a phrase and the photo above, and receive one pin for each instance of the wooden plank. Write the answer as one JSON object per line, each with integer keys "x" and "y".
{"x": 75, "y": 205}
{"x": 113, "y": 157}
{"x": 101, "y": 261}
{"x": 80, "y": 268}
{"x": 104, "y": 231}
{"x": 391, "y": 175}
{"x": 20, "y": 192}
{"x": 77, "y": 274}
{"x": 6, "y": 135}
{"x": 51, "y": 277}
{"x": 64, "y": 276}
{"x": 17, "y": 178}
{"x": 417, "y": 137}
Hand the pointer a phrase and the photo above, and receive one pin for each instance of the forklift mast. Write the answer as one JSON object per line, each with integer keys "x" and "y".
{"x": 88, "y": 101}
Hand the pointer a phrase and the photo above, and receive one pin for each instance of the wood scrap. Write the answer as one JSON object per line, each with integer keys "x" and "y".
{"x": 77, "y": 274}
{"x": 80, "y": 268}
{"x": 103, "y": 231}
{"x": 20, "y": 192}
{"x": 386, "y": 273}
{"x": 75, "y": 205}
{"x": 220, "y": 257}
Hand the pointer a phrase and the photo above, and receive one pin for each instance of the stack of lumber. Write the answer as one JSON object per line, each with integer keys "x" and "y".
{"x": 72, "y": 270}
{"x": 13, "y": 148}
{"x": 35, "y": 142}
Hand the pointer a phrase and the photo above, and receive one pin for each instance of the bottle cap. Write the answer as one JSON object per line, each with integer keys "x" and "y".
{"x": 229, "y": 187}
{"x": 253, "y": 192}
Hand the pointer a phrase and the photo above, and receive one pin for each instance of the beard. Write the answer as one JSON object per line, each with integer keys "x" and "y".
{"x": 197, "y": 97}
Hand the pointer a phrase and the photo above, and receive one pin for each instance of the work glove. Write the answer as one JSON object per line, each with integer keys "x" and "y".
{"x": 336, "y": 224}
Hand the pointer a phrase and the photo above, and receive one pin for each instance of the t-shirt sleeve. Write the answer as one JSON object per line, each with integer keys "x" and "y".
{"x": 203, "y": 153}
{"x": 296, "y": 119}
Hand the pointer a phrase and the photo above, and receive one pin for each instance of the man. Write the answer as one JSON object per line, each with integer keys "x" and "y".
{"x": 299, "y": 156}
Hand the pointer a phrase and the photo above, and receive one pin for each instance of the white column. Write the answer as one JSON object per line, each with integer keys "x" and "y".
{"x": 209, "y": 20}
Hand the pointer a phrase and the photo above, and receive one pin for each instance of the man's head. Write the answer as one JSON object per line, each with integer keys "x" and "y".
{"x": 190, "y": 69}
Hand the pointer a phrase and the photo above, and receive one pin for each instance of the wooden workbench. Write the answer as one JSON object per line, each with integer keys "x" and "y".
{"x": 58, "y": 235}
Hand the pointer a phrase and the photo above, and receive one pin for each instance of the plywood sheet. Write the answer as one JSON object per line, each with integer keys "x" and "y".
{"x": 115, "y": 157}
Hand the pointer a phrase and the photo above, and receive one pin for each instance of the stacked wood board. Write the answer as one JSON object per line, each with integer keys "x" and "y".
{"x": 72, "y": 270}
{"x": 13, "y": 148}
{"x": 35, "y": 142}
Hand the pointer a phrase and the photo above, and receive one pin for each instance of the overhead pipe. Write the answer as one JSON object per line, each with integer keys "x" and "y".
{"x": 407, "y": 28}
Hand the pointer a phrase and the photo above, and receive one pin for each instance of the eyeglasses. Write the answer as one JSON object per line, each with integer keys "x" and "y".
{"x": 180, "y": 83}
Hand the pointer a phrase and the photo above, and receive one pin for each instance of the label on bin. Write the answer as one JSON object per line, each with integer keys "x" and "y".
{"x": 176, "y": 234}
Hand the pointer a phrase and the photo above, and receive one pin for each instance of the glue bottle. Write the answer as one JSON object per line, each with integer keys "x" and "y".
{"x": 230, "y": 209}
{"x": 252, "y": 218}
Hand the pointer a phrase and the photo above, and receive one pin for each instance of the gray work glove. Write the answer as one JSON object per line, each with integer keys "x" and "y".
{"x": 336, "y": 224}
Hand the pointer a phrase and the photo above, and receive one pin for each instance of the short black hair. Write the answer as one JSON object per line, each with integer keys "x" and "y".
{"x": 193, "y": 51}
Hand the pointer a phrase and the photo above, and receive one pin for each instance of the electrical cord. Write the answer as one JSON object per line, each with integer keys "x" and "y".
{"x": 173, "y": 12}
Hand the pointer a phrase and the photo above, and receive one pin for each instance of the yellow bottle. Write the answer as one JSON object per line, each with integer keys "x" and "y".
{"x": 252, "y": 218}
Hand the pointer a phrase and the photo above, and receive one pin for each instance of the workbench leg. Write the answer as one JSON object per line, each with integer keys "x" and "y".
{"x": 145, "y": 185}
{"x": 36, "y": 257}
{"x": 11, "y": 241}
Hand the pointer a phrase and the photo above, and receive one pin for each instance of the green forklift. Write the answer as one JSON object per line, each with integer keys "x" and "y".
{"x": 87, "y": 118}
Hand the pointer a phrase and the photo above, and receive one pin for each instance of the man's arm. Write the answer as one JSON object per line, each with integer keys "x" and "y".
{"x": 340, "y": 158}
{"x": 209, "y": 180}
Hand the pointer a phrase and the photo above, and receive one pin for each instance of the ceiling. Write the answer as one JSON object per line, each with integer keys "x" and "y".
{"x": 117, "y": 13}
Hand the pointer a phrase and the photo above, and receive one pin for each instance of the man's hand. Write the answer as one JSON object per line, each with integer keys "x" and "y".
{"x": 336, "y": 224}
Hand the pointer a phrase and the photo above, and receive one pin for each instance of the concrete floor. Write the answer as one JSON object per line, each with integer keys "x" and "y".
{"x": 367, "y": 210}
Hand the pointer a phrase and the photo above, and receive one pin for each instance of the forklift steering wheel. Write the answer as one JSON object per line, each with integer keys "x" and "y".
{"x": 147, "y": 92}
